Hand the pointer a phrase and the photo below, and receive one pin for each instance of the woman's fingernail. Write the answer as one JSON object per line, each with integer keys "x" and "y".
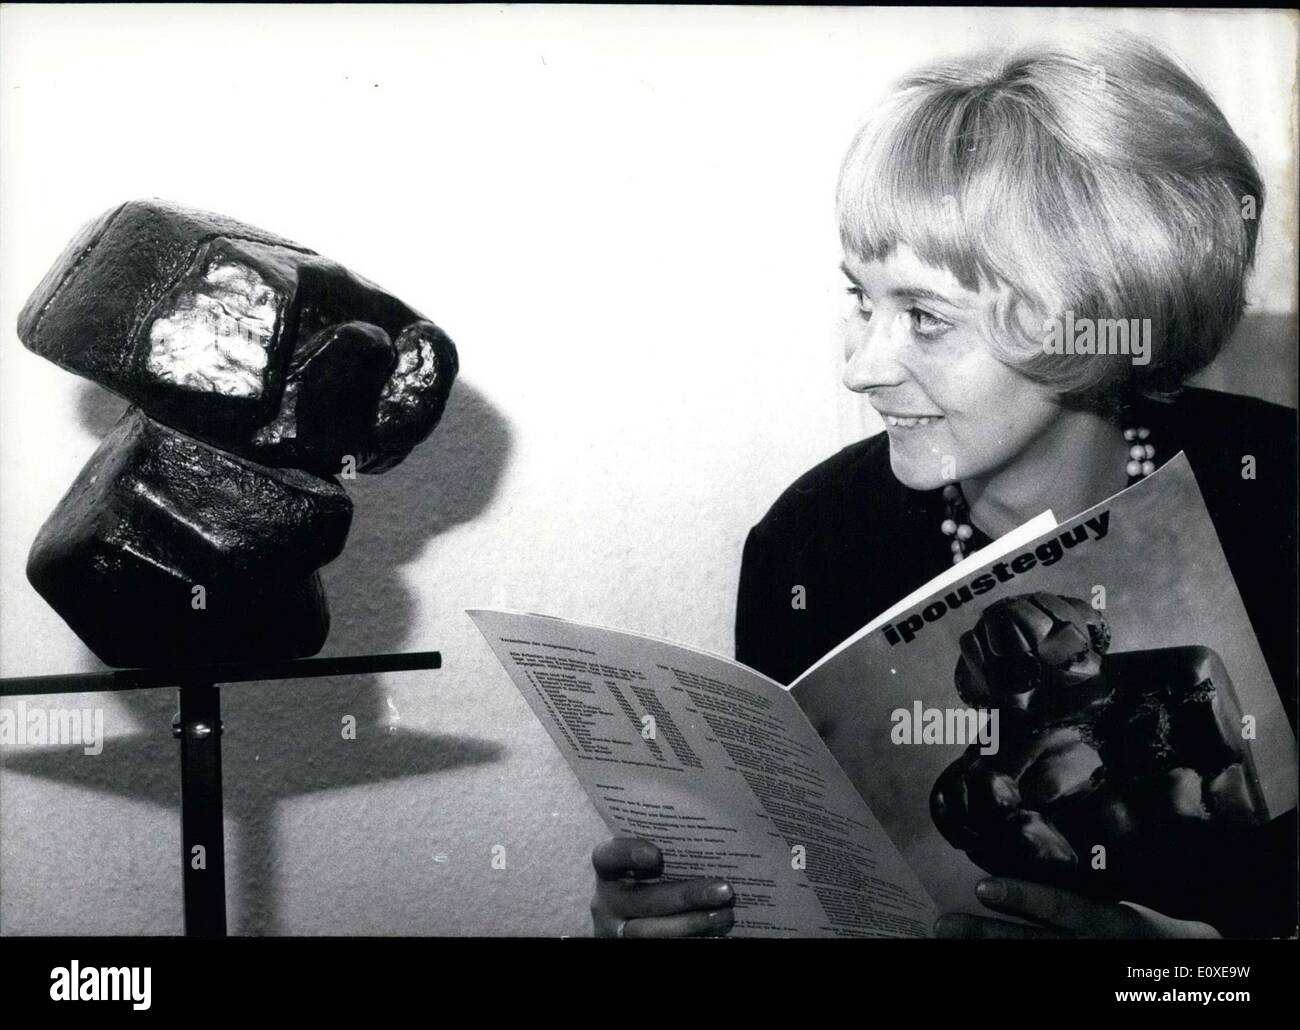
{"x": 720, "y": 893}
{"x": 991, "y": 890}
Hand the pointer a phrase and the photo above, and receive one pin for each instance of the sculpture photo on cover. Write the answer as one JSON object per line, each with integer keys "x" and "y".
{"x": 1144, "y": 753}
{"x": 1119, "y": 775}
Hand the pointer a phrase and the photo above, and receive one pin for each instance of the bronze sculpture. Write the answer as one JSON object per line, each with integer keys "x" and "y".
{"x": 257, "y": 371}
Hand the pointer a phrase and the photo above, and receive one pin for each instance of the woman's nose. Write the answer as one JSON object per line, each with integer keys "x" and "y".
{"x": 873, "y": 351}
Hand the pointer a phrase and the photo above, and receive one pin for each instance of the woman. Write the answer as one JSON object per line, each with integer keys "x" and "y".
{"x": 991, "y": 199}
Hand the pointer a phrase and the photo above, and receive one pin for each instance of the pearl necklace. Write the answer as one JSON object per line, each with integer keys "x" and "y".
{"x": 956, "y": 522}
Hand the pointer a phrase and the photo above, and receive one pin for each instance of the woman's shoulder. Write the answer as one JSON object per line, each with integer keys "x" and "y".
{"x": 842, "y": 487}
{"x": 1200, "y": 414}
{"x": 1229, "y": 438}
{"x": 836, "y": 535}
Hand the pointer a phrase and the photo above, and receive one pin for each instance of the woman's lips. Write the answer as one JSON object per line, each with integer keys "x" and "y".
{"x": 908, "y": 421}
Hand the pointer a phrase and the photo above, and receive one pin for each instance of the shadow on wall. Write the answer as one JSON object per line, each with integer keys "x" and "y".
{"x": 284, "y": 739}
{"x": 1259, "y": 360}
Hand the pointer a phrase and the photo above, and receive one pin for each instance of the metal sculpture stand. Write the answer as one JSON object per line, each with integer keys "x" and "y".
{"x": 198, "y": 727}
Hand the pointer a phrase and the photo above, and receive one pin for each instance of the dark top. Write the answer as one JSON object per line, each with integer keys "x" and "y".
{"x": 857, "y": 540}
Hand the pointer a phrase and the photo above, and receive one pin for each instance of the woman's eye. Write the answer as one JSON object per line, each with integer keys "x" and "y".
{"x": 861, "y": 303}
{"x": 927, "y": 324}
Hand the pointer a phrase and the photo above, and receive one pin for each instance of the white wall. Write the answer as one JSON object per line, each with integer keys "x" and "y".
{"x": 624, "y": 219}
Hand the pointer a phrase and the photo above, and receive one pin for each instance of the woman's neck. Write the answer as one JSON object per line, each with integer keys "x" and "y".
{"x": 1077, "y": 463}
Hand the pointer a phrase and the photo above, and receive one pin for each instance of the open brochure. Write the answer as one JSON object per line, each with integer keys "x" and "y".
{"x": 1083, "y": 704}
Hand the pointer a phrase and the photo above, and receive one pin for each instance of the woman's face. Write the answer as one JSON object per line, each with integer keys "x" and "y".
{"x": 914, "y": 344}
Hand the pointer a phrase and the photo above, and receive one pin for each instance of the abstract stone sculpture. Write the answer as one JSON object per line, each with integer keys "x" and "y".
{"x": 258, "y": 370}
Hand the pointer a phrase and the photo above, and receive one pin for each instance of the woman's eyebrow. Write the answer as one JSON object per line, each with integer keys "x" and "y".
{"x": 922, "y": 293}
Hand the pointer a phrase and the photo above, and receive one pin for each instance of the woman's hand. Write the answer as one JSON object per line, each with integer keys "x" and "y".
{"x": 624, "y": 905}
{"x": 1062, "y": 913}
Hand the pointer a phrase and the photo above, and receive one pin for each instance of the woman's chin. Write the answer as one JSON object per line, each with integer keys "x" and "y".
{"x": 916, "y": 475}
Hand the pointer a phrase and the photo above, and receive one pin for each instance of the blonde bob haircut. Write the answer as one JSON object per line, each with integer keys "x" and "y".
{"x": 1093, "y": 177}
